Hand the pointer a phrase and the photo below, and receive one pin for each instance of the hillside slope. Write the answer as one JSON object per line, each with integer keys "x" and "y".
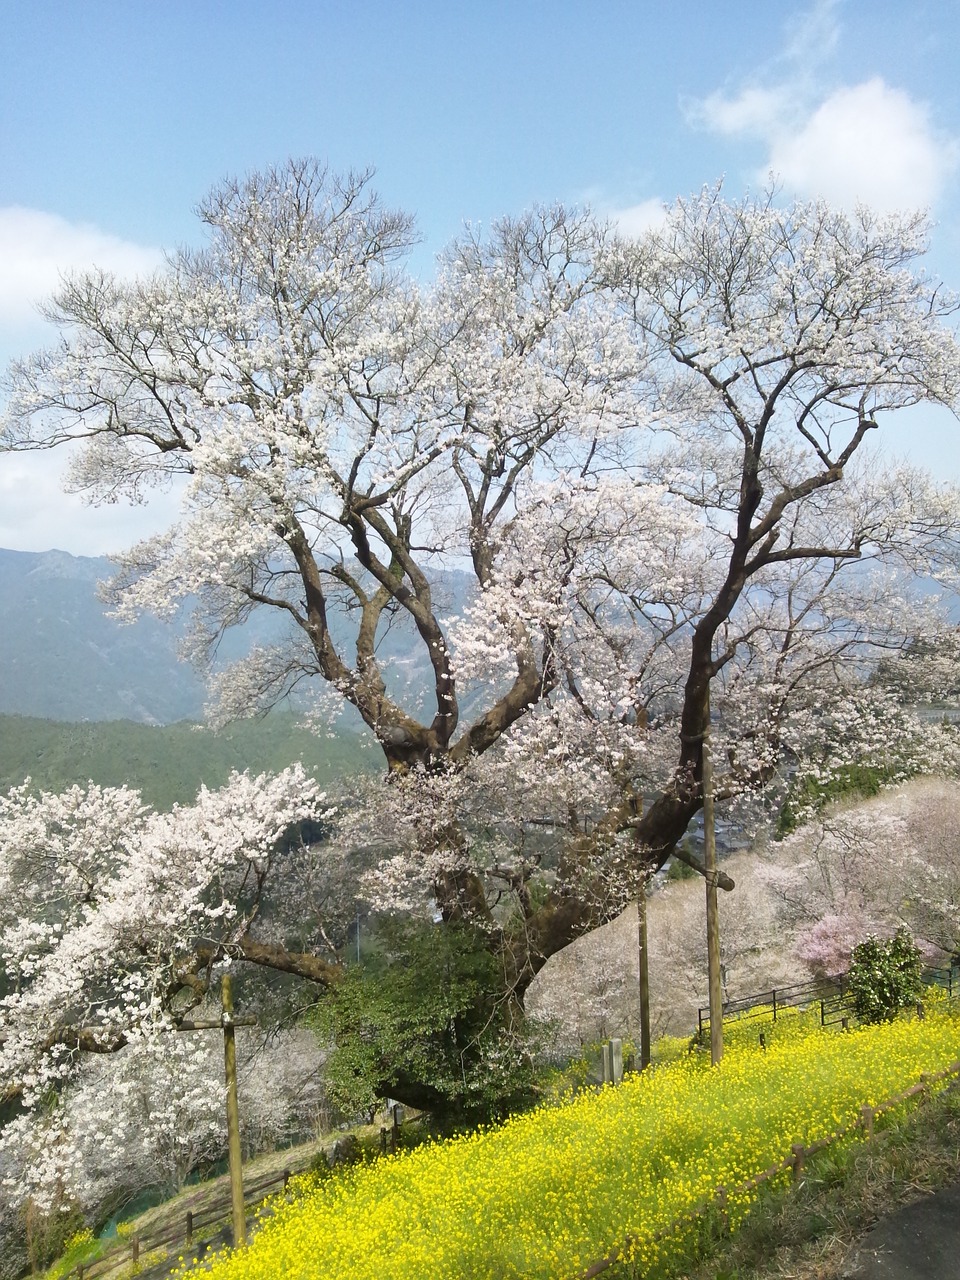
{"x": 168, "y": 763}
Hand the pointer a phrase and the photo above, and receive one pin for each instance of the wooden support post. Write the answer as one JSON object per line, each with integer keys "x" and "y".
{"x": 643, "y": 975}
{"x": 799, "y": 1155}
{"x": 713, "y": 920}
{"x": 383, "y": 1140}
{"x": 286, "y": 1179}
{"x": 607, "y": 1050}
{"x": 233, "y": 1116}
{"x": 189, "y": 1227}
{"x": 135, "y": 1250}
{"x": 866, "y": 1117}
{"x": 722, "y": 1205}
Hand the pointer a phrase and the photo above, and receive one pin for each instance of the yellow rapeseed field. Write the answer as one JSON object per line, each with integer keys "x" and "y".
{"x": 549, "y": 1192}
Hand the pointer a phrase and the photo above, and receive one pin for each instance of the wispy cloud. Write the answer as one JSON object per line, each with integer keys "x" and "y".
{"x": 867, "y": 142}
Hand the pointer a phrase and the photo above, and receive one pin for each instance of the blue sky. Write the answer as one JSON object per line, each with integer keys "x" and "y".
{"x": 117, "y": 115}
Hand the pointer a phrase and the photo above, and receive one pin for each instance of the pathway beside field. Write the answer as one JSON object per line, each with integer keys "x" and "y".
{"x": 921, "y": 1241}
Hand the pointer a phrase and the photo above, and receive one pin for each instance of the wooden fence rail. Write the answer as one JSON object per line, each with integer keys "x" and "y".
{"x": 194, "y": 1224}
{"x": 793, "y": 1163}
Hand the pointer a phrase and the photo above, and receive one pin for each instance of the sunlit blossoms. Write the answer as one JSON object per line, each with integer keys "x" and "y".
{"x": 112, "y": 916}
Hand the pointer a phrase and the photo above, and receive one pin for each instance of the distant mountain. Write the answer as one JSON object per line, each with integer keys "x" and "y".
{"x": 62, "y": 658}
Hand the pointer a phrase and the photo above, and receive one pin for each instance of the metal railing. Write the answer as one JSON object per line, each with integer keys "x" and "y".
{"x": 832, "y": 995}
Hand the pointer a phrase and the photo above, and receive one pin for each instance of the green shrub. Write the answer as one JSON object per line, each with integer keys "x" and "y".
{"x": 885, "y": 976}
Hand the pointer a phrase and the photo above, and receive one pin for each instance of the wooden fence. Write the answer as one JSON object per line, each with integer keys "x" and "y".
{"x": 136, "y": 1249}
{"x": 793, "y": 1163}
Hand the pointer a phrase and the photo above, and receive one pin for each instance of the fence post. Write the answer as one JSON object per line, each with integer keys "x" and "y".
{"x": 135, "y": 1250}
{"x": 616, "y": 1060}
{"x": 286, "y": 1179}
{"x": 866, "y": 1115}
{"x": 823, "y": 1014}
{"x": 189, "y": 1227}
{"x": 383, "y": 1140}
{"x": 799, "y": 1154}
{"x": 722, "y": 1205}
{"x": 921, "y": 1012}
{"x": 763, "y": 1041}
{"x": 774, "y": 1004}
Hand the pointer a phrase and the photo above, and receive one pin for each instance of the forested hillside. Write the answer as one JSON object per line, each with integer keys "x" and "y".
{"x": 65, "y": 659}
{"x": 168, "y": 762}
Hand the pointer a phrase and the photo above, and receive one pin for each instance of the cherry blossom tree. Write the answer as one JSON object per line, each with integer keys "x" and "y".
{"x": 112, "y": 921}
{"x": 870, "y": 867}
{"x": 649, "y": 457}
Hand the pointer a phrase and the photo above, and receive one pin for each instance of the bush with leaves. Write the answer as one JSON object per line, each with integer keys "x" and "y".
{"x": 885, "y": 976}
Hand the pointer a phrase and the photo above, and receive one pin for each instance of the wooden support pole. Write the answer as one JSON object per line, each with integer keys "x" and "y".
{"x": 799, "y": 1155}
{"x": 643, "y": 974}
{"x": 189, "y": 1228}
{"x": 713, "y": 919}
{"x": 233, "y": 1116}
{"x": 866, "y": 1117}
{"x": 722, "y": 1206}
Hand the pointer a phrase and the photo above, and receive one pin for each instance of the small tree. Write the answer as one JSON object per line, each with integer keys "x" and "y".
{"x": 885, "y": 976}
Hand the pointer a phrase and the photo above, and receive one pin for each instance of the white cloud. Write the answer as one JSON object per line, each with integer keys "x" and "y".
{"x": 36, "y": 515}
{"x": 752, "y": 111}
{"x": 36, "y": 248}
{"x": 813, "y": 35}
{"x": 868, "y": 143}
{"x": 635, "y": 219}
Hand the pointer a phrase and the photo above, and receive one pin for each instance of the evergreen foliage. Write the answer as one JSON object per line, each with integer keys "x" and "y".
{"x": 427, "y": 1006}
{"x": 885, "y": 976}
